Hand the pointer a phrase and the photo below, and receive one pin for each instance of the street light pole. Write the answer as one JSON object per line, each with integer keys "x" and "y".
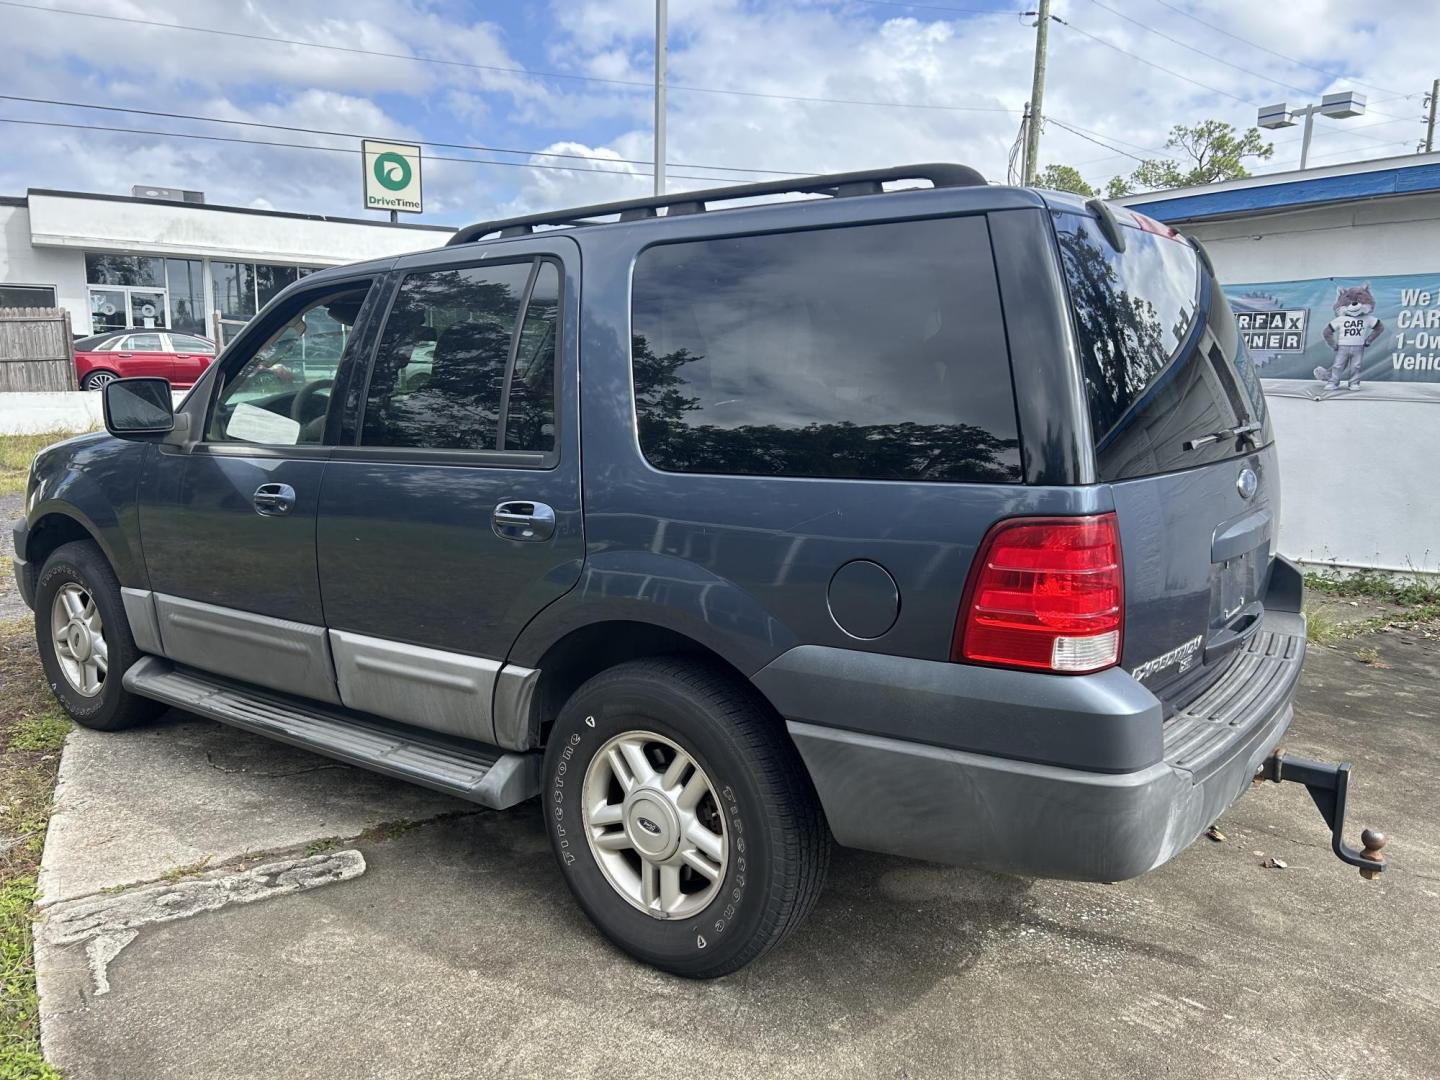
{"x": 661, "y": 33}
{"x": 1336, "y": 106}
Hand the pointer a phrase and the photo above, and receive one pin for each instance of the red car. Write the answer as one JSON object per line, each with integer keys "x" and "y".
{"x": 123, "y": 353}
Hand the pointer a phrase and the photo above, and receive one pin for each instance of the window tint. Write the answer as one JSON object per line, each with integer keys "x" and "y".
{"x": 874, "y": 352}
{"x": 1134, "y": 310}
{"x": 440, "y": 369}
{"x": 280, "y": 395}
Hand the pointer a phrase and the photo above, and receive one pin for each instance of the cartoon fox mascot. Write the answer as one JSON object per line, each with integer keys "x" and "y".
{"x": 1353, "y": 328}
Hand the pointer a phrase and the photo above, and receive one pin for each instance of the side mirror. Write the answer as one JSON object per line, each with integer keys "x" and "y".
{"x": 139, "y": 408}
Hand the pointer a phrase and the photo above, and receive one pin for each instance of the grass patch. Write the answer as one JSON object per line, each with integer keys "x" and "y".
{"x": 31, "y": 730}
{"x": 45, "y": 730}
{"x": 16, "y": 453}
{"x": 1414, "y": 591}
{"x": 1322, "y": 627}
{"x": 177, "y": 873}
{"x": 320, "y": 847}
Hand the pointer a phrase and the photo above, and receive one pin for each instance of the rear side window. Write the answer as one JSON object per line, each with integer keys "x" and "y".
{"x": 1152, "y": 381}
{"x": 457, "y": 353}
{"x": 871, "y": 352}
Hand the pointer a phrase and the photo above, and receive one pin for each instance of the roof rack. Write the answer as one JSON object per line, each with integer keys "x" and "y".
{"x": 836, "y": 185}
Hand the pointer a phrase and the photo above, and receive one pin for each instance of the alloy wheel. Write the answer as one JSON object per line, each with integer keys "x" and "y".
{"x": 653, "y": 820}
{"x": 79, "y": 638}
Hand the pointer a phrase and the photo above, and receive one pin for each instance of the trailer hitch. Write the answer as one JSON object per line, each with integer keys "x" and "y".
{"x": 1328, "y": 786}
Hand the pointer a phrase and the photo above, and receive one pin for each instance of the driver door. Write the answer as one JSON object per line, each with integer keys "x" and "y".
{"x": 228, "y": 524}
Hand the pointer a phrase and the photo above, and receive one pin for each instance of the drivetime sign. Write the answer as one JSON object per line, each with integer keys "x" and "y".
{"x": 392, "y": 176}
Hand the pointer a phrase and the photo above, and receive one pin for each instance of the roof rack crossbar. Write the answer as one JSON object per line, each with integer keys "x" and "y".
{"x": 864, "y": 182}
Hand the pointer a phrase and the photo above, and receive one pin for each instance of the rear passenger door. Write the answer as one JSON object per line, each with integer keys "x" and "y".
{"x": 453, "y": 513}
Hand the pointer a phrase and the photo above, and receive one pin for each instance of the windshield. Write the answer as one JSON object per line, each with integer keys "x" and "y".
{"x": 1155, "y": 379}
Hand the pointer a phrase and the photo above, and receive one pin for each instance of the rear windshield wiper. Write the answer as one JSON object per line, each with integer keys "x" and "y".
{"x": 1242, "y": 431}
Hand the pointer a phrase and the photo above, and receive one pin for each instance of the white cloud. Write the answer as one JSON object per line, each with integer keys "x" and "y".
{"x": 972, "y": 71}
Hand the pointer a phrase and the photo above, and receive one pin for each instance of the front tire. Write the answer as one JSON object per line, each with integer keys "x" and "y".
{"x": 682, "y": 816}
{"x": 85, "y": 641}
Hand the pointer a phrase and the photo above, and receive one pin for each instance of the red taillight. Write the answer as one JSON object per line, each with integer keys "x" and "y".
{"x": 1045, "y": 593}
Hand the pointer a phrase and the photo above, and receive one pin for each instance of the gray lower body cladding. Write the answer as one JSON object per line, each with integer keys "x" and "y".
{"x": 945, "y": 804}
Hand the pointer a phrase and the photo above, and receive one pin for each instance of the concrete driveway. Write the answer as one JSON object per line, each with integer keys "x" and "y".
{"x": 442, "y": 941}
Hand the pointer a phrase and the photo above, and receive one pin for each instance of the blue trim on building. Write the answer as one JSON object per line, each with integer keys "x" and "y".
{"x": 1295, "y": 193}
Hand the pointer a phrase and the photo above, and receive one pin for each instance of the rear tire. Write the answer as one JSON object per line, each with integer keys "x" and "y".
{"x": 80, "y": 619}
{"x": 96, "y": 380}
{"x": 624, "y": 752}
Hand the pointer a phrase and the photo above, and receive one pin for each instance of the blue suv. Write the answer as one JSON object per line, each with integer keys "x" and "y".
{"x": 939, "y": 520}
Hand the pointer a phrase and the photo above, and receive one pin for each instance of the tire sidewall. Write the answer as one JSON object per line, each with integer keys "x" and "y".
{"x": 710, "y": 937}
{"x": 60, "y": 569}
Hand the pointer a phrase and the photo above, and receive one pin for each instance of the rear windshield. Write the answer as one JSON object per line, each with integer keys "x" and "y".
{"x": 1155, "y": 380}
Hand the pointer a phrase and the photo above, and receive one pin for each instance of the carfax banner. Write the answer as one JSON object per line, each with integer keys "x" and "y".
{"x": 1344, "y": 335}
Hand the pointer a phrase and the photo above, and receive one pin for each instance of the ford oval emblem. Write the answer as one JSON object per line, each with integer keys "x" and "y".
{"x": 1246, "y": 483}
{"x": 648, "y": 825}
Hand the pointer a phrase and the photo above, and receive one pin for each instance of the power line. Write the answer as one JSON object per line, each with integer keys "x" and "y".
{"x": 342, "y": 149}
{"x": 1186, "y": 45}
{"x": 634, "y": 83}
{"x": 1097, "y": 142}
{"x": 1283, "y": 56}
{"x": 1147, "y": 63}
{"x": 361, "y": 135}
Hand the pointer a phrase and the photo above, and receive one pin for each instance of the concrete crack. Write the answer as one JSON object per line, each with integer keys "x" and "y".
{"x": 108, "y": 923}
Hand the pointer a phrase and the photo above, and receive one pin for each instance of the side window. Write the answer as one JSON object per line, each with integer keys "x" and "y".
{"x": 445, "y": 355}
{"x": 182, "y": 343}
{"x": 871, "y": 352}
{"x": 280, "y": 395}
{"x": 143, "y": 343}
{"x": 530, "y": 419}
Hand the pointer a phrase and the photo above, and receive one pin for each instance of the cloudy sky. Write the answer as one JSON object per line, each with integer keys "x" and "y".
{"x": 750, "y": 81}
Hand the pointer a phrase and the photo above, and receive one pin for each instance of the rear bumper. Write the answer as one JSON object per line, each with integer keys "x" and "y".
{"x": 953, "y": 805}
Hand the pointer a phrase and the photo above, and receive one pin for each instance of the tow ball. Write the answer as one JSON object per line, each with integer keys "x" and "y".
{"x": 1328, "y": 785}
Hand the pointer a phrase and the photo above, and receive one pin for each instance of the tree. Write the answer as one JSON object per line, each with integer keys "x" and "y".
{"x": 1216, "y": 152}
{"x": 1064, "y": 178}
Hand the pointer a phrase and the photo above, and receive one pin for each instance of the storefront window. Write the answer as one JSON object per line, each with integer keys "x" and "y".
{"x": 271, "y": 279}
{"x": 185, "y": 279}
{"x": 107, "y": 269}
{"x": 234, "y": 285}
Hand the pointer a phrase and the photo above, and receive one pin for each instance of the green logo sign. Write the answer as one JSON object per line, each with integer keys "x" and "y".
{"x": 392, "y": 171}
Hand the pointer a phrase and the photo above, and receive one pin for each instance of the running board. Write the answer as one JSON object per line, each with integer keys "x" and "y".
{"x": 482, "y": 774}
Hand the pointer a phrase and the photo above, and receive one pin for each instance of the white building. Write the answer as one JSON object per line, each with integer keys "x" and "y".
{"x": 116, "y": 261}
{"x": 1356, "y": 464}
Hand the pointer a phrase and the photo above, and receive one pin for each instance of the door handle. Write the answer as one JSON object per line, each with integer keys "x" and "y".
{"x": 521, "y": 520}
{"x": 125, "y": 355}
{"x": 272, "y": 500}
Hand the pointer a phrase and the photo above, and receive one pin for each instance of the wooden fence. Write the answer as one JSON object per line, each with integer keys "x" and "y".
{"x": 37, "y": 350}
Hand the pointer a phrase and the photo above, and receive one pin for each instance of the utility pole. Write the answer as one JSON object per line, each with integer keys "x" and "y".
{"x": 1037, "y": 95}
{"x": 1430, "y": 122}
{"x": 661, "y": 33}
